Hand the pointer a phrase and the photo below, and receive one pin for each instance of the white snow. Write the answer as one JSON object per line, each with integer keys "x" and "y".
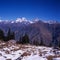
{"x": 35, "y": 57}
{"x": 56, "y": 58}
{"x": 26, "y": 52}
{"x": 50, "y": 21}
{"x": 23, "y": 19}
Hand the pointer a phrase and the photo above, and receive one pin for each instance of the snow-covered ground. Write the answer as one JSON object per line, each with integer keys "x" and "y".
{"x": 13, "y": 51}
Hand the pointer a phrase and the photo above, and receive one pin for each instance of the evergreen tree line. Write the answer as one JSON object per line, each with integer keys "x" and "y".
{"x": 22, "y": 40}
{"x": 10, "y": 35}
{"x": 25, "y": 39}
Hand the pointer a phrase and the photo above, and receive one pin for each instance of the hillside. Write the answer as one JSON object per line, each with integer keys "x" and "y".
{"x": 12, "y": 51}
{"x": 37, "y": 31}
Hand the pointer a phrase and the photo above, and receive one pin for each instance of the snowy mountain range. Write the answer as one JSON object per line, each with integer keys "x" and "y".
{"x": 36, "y": 29}
{"x": 26, "y": 21}
{"x": 18, "y": 20}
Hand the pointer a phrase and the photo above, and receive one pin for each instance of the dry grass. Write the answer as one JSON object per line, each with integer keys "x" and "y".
{"x": 7, "y": 52}
{"x": 28, "y": 49}
{"x": 8, "y": 59}
{"x": 51, "y": 57}
{"x": 25, "y": 54}
{"x": 0, "y": 54}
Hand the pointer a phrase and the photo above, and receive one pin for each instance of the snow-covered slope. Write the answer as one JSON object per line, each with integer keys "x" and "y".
{"x": 13, "y": 51}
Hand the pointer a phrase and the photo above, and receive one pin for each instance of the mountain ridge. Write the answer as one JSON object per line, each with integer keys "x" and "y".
{"x": 36, "y": 31}
{"x": 26, "y": 21}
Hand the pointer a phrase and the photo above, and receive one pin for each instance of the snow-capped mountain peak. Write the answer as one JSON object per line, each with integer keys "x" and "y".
{"x": 21, "y": 19}
{"x": 0, "y": 20}
{"x": 18, "y": 20}
{"x": 50, "y": 21}
{"x": 35, "y": 20}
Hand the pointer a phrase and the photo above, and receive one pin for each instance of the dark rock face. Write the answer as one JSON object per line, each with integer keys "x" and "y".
{"x": 18, "y": 58}
{"x": 37, "y": 31}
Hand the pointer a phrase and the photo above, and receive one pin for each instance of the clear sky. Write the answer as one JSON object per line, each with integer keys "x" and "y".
{"x": 43, "y": 9}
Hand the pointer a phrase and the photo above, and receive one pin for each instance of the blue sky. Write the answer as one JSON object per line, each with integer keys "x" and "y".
{"x": 31, "y": 9}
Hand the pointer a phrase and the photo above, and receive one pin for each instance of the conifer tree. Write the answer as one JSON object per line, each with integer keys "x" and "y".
{"x": 54, "y": 38}
{"x": 41, "y": 42}
{"x": 25, "y": 39}
{"x": 10, "y": 35}
{"x": 1, "y": 34}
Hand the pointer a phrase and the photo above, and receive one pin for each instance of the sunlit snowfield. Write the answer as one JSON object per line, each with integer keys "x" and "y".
{"x": 12, "y": 51}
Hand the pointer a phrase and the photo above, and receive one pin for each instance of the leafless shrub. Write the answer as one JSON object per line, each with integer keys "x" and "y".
{"x": 51, "y": 57}
{"x": 8, "y": 59}
{"x": 25, "y": 54}
{"x": 7, "y": 52}
{"x": 0, "y": 54}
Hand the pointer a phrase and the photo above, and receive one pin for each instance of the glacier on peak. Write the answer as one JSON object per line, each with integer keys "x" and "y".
{"x": 26, "y": 21}
{"x": 23, "y": 19}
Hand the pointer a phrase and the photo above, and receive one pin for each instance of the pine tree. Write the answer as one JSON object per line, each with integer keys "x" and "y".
{"x": 35, "y": 42}
{"x": 20, "y": 40}
{"x": 41, "y": 42}
{"x": 54, "y": 42}
{"x": 1, "y": 34}
{"x": 25, "y": 39}
{"x": 54, "y": 38}
{"x": 10, "y": 35}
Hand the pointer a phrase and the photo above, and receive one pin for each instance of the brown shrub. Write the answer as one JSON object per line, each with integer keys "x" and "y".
{"x": 51, "y": 57}
{"x": 25, "y": 54}
{"x": 8, "y": 59}
{"x": 7, "y": 52}
{"x": 0, "y": 54}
